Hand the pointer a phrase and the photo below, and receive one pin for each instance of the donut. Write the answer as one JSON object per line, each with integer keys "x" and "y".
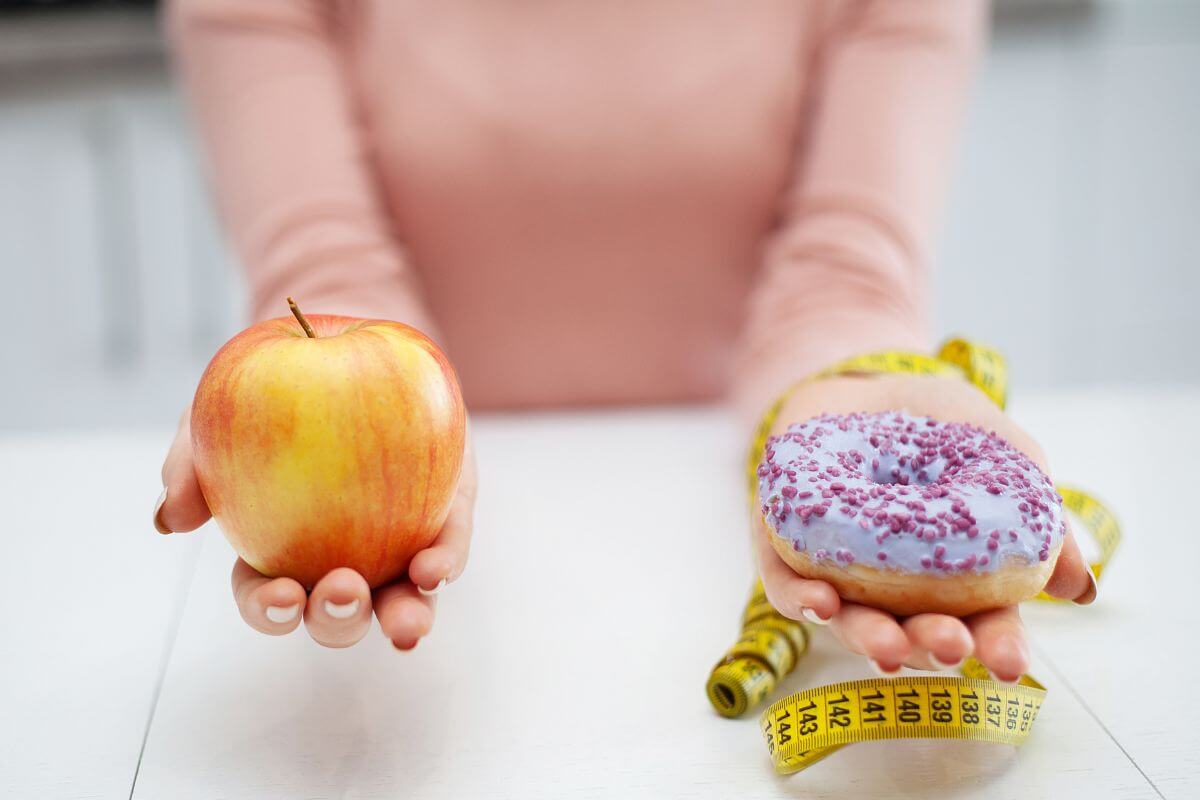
{"x": 909, "y": 514}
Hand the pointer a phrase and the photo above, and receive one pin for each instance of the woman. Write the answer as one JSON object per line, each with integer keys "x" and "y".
{"x": 598, "y": 203}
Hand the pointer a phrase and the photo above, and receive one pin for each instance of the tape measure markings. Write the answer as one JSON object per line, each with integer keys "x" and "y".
{"x": 800, "y": 728}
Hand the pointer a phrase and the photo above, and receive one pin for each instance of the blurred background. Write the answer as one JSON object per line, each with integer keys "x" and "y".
{"x": 1071, "y": 239}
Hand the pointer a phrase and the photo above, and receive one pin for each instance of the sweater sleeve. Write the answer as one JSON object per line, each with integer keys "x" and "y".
{"x": 845, "y": 271}
{"x": 287, "y": 159}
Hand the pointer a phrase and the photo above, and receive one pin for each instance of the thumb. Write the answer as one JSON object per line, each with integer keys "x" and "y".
{"x": 1072, "y": 578}
{"x": 181, "y": 506}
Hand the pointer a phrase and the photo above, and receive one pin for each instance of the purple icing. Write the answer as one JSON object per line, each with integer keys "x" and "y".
{"x": 907, "y": 493}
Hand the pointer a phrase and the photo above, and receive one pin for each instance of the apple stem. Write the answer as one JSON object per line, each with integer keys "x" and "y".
{"x": 300, "y": 318}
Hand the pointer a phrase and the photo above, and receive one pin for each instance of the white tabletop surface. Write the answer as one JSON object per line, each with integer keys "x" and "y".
{"x": 608, "y": 571}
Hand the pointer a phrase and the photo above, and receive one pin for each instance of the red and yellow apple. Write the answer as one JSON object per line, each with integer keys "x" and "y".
{"x": 328, "y": 441}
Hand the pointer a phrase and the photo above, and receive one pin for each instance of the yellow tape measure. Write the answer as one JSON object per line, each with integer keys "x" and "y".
{"x": 803, "y": 728}
{"x": 769, "y": 648}
{"x": 806, "y": 727}
{"x": 1097, "y": 520}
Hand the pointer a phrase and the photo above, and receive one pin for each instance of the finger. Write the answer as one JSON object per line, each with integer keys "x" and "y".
{"x": 938, "y": 641}
{"x": 873, "y": 633}
{"x": 1000, "y": 642}
{"x": 791, "y": 595}
{"x": 338, "y": 612}
{"x": 181, "y": 506}
{"x": 444, "y": 560}
{"x": 269, "y": 605}
{"x": 1072, "y": 578}
{"x": 405, "y": 615}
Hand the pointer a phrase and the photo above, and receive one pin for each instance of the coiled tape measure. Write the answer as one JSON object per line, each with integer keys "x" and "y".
{"x": 807, "y": 726}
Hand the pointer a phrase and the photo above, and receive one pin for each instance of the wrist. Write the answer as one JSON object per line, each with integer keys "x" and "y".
{"x": 963, "y": 367}
{"x": 768, "y": 373}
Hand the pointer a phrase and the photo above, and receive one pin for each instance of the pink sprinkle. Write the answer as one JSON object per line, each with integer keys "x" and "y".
{"x": 882, "y": 556}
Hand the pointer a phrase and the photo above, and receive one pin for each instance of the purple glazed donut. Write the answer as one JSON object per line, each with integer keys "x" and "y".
{"x": 909, "y": 514}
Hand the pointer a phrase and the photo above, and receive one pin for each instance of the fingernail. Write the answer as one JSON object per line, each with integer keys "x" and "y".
{"x": 937, "y": 662}
{"x": 1005, "y": 681}
{"x": 283, "y": 613}
{"x": 811, "y": 615}
{"x": 434, "y": 590}
{"x": 158, "y": 507}
{"x": 881, "y": 672}
{"x": 405, "y": 646}
{"x": 1089, "y": 594}
{"x": 1017, "y": 645}
{"x": 343, "y": 610}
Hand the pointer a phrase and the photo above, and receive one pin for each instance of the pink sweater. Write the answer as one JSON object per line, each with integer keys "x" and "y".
{"x": 590, "y": 202}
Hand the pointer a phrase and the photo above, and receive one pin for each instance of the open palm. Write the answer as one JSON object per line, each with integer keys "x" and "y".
{"x": 337, "y": 612}
{"x": 925, "y": 641}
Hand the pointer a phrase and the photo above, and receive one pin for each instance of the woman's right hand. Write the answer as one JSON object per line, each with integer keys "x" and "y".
{"x": 338, "y": 611}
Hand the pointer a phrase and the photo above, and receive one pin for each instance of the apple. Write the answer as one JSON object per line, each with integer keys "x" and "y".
{"x": 328, "y": 441}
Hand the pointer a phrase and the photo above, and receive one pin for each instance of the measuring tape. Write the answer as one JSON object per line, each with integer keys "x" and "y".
{"x": 805, "y": 727}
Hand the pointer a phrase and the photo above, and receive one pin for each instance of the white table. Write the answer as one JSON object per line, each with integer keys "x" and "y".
{"x": 570, "y": 659}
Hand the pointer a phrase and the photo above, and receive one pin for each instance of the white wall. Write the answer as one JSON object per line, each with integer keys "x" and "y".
{"x": 1071, "y": 239}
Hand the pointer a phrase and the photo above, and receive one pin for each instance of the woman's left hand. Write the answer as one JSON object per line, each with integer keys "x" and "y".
{"x": 925, "y": 641}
